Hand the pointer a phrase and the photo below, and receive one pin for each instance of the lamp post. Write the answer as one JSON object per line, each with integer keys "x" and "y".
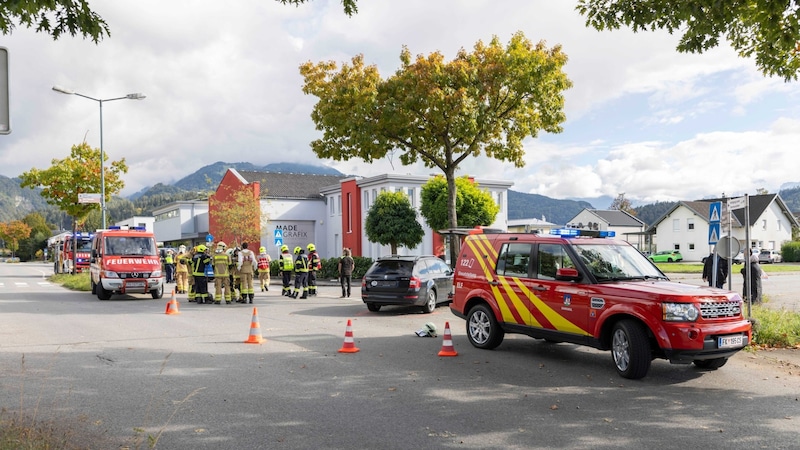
{"x": 136, "y": 96}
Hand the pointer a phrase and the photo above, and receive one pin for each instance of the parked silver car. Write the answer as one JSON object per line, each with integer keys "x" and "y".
{"x": 769, "y": 256}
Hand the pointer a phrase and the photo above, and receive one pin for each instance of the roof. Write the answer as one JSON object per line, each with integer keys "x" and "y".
{"x": 758, "y": 204}
{"x": 617, "y": 218}
{"x": 290, "y": 185}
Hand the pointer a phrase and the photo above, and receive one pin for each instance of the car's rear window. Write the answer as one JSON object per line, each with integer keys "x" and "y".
{"x": 390, "y": 267}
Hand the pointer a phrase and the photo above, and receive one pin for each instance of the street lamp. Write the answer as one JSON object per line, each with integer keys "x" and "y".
{"x": 136, "y": 96}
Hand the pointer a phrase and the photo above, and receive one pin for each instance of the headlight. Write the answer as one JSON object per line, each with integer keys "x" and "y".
{"x": 679, "y": 312}
{"x": 155, "y": 274}
{"x": 110, "y": 274}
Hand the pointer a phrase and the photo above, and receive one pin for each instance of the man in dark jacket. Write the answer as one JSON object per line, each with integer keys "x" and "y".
{"x": 722, "y": 270}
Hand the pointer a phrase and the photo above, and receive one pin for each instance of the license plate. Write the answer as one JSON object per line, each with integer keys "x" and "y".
{"x": 135, "y": 284}
{"x": 730, "y": 341}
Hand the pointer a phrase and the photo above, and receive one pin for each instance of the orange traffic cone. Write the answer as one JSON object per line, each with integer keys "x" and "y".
{"x": 255, "y": 330}
{"x": 172, "y": 305}
{"x": 447, "y": 343}
{"x": 349, "y": 346}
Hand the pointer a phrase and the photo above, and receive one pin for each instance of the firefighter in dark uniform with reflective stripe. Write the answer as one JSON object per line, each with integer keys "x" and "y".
{"x": 199, "y": 262}
{"x": 314, "y": 264}
{"x": 286, "y": 268}
{"x": 300, "y": 273}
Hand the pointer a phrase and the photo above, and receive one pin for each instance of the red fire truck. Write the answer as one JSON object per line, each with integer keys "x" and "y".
{"x": 61, "y": 246}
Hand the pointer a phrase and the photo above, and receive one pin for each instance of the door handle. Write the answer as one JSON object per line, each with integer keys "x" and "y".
{"x": 539, "y": 288}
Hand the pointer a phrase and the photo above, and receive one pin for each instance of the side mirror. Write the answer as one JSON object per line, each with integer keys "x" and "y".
{"x": 567, "y": 274}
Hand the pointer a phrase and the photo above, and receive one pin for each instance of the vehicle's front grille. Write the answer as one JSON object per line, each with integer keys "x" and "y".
{"x": 717, "y": 310}
{"x": 134, "y": 274}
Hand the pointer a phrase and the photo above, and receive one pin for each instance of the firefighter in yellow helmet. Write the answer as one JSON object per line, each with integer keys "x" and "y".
{"x": 263, "y": 268}
{"x": 286, "y": 268}
{"x": 300, "y": 273}
{"x": 199, "y": 262}
{"x": 222, "y": 277}
{"x": 314, "y": 264}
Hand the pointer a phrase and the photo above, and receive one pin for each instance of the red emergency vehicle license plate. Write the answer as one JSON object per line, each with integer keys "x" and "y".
{"x": 730, "y": 341}
{"x": 140, "y": 284}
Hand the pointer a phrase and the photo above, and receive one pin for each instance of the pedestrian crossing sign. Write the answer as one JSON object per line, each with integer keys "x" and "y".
{"x": 278, "y": 242}
{"x": 713, "y": 233}
{"x": 278, "y": 234}
{"x": 714, "y": 211}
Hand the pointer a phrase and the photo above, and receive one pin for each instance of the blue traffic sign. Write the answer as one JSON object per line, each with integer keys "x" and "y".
{"x": 714, "y": 212}
{"x": 713, "y": 233}
{"x": 278, "y": 242}
{"x": 278, "y": 233}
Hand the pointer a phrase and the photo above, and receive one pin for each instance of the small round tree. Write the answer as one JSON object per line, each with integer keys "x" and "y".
{"x": 392, "y": 221}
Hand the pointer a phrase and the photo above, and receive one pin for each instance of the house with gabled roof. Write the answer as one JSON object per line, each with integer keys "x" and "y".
{"x": 623, "y": 224}
{"x": 685, "y": 227}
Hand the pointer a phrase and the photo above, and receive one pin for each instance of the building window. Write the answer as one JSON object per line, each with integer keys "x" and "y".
{"x": 500, "y": 200}
{"x": 691, "y": 246}
{"x": 764, "y": 224}
{"x": 349, "y": 213}
{"x": 676, "y": 247}
{"x": 690, "y": 224}
{"x": 366, "y": 200}
{"x": 412, "y": 198}
{"x": 339, "y": 204}
{"x": 676, "y": 225}
{"x": 333, "y": 205}
{"x": 779, "y": 225}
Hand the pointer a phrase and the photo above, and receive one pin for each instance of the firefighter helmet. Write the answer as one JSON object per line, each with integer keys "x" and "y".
{"x": 182, "y": 248}
{"x": 221, "y": 245}
{"x": 311, "y": 247}
{"x": 297, "y": 250}
{"x": 262, "y": 250}
{"x": 201, "y": 248}
{"x": 284, "y": 248}
{"x": 430, "y": 327}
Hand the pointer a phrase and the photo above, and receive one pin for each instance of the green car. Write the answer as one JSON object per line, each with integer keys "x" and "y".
{"x": 666, "y": 256}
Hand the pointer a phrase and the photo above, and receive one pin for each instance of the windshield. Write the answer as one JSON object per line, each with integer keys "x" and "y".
{"x": 614, "y": 262}
{"x": 84, "y": 245}
{"x": 125, "y": 245}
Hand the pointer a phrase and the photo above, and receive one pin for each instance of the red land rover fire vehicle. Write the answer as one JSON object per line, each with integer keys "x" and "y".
{"x": 585, "y": 288}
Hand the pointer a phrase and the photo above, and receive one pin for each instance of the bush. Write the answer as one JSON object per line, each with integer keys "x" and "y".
{"x": 790, "y": 251}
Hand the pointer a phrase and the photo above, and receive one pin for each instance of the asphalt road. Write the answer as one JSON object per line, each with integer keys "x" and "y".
{"x": 125, "y": 371}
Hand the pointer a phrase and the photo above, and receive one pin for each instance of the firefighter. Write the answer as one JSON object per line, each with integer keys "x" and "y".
{"x": 235, "y": 277}
{"x": 190, "y": 273}
{"x": 286, "y": 268}
{"x": 182, "y": 270}
{"x": 169, "y": 266}
{"x": 314, "y": 264}
{"x": 300, "y": 273}
{"x": 263, "y": 268}
{"x": 248, "y": 265}
{"x": 222, "y": 280}
{"x": 199, "y": 262}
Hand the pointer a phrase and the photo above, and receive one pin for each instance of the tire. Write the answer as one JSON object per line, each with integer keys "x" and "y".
{"x": 430, "y": 302}
{"x": 157, "y": 293}
{"x": 630, "y": 349}
{"x": 669, "y": 259}
{"x": 373, "y": 307}
{"x": 483, "y": 330}
{"x": 102, "y": 294}
{"x": 710, "y": 364}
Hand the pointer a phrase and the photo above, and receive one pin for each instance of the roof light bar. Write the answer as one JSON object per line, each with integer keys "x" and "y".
{"x": 574, "y": 232}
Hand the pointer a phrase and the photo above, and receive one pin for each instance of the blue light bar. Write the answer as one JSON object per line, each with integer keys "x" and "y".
{"x": 575, "y": 232}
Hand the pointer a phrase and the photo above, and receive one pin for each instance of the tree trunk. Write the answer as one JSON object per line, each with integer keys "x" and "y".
{"x": 452, "y": 216}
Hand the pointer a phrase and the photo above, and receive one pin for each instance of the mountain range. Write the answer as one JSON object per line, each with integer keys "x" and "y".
{"x": 16, "y": 202}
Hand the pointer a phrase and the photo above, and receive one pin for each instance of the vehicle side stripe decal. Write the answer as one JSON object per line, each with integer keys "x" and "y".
{"x": 513, "y": 309}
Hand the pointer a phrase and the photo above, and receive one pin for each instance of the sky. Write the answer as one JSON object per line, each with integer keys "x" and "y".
{"x": 222, "y": 83}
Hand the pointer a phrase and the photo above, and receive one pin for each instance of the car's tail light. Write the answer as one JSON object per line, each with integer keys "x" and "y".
{"x": 414, "y": 283}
